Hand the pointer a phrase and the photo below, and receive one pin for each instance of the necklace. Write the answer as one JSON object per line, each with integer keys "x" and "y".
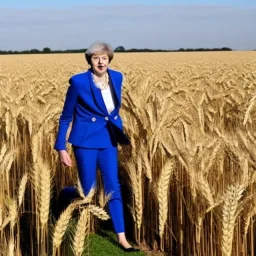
{"x": 103, "y": 85}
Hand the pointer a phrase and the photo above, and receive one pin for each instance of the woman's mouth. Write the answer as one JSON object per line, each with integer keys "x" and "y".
{"x": 100, "y": 67}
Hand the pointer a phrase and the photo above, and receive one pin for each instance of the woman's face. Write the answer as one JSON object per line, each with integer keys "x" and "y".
{"x": 100, "y": 63}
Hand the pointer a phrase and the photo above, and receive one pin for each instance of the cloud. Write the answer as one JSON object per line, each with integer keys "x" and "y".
{"x": 133, "y": 26}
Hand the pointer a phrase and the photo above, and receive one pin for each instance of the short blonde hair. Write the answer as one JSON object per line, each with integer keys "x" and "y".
{"x": 99, "y": 47}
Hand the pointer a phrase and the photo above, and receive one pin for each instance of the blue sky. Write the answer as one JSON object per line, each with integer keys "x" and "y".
{"x": 158, "y": 24}
{"x": 68, "y": 3}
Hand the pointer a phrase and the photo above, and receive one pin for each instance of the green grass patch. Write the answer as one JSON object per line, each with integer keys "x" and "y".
{"x": 103, "y": 245}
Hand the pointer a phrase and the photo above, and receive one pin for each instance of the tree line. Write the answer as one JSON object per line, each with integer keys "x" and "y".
{"x": 47, "y": 50}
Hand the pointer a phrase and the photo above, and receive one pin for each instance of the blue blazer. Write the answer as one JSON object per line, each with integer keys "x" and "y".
{"x": 92, "y": 126}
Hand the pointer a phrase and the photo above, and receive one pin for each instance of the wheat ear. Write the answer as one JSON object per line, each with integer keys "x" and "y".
{"x": 22, "y": 188}
{"x": 45, "y": 191}
{"x": 82, "y": 229}
{"x": 98, "y": 212}
{"x": 247, "y": 113}
{"x": 61, "y": 226}
{"x": 80, "y": 188}
{"x": 163, "y": 184}
{"x": 13, "y": 212}
{"x": 229, "y": 215}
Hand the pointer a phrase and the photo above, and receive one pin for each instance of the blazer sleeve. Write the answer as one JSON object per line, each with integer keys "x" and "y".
{"x": 66, "y": 116}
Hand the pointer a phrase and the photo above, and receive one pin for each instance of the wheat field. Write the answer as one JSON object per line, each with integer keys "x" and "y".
{"x": 188, "y": 177}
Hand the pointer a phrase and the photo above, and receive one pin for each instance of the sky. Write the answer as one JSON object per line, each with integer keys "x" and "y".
{"x": 162, "y": 24}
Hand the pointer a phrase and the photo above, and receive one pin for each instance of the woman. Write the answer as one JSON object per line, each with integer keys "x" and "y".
{"x": 93, "y": 101}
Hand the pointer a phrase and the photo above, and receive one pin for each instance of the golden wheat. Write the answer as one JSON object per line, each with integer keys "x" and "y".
{"x": 22, "y": 188}
{"x": 229, "y": 215}
{"x": 61, "y": 226}
{"x": 197, "y": 109}
{"x": 163, "y": 185}
{"x": 82, "y": 229}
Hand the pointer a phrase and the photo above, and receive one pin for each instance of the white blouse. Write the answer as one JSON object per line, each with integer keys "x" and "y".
{"x": 108, "y": 99}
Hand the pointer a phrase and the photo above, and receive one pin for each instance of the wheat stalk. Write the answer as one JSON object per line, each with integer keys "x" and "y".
{"x": 13, "y": 212}
{"x": 247, "y": 113}
{"x": 98, "y": 212}
{"x": 11, "y": 247}
{"x": 162, "y": 194}
{"x": 45, "y": 191}
{"x": 229, "y": 215}
{"x": 205, "y": 189}
{"x": 3, "y": 152}
{"x": 22, "y": 188}
{"x": 137, "y": 190}
{"x": 82, "y": 229}
{"x": 5, "y": 223}
{"x": 1, "y": 215}
{"x": 61, "y": 226}
{"x": 80, "y": 188}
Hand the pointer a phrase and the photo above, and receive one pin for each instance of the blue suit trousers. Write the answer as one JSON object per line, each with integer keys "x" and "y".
{"x": 106, "y": 159}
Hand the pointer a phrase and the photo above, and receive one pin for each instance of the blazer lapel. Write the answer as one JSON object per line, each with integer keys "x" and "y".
{"x": 98, "y": 99}
{"x": 115, "y": 89}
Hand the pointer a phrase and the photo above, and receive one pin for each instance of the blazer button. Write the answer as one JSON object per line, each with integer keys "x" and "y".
{"x": 115, "y": 117}
{"x": 94, "y": 119}
{"x": 106, "y": 118}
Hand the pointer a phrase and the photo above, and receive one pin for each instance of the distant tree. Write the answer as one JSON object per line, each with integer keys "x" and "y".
{"x": 226, "y": 49}
{"x": 34, "y": 51}
{"x": 46, "y": 50}
{"x": 133, "y": 50}
{"x": 120, "y": 49}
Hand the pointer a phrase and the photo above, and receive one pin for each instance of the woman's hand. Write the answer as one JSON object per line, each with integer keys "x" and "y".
{"x": 65, "y": 158}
